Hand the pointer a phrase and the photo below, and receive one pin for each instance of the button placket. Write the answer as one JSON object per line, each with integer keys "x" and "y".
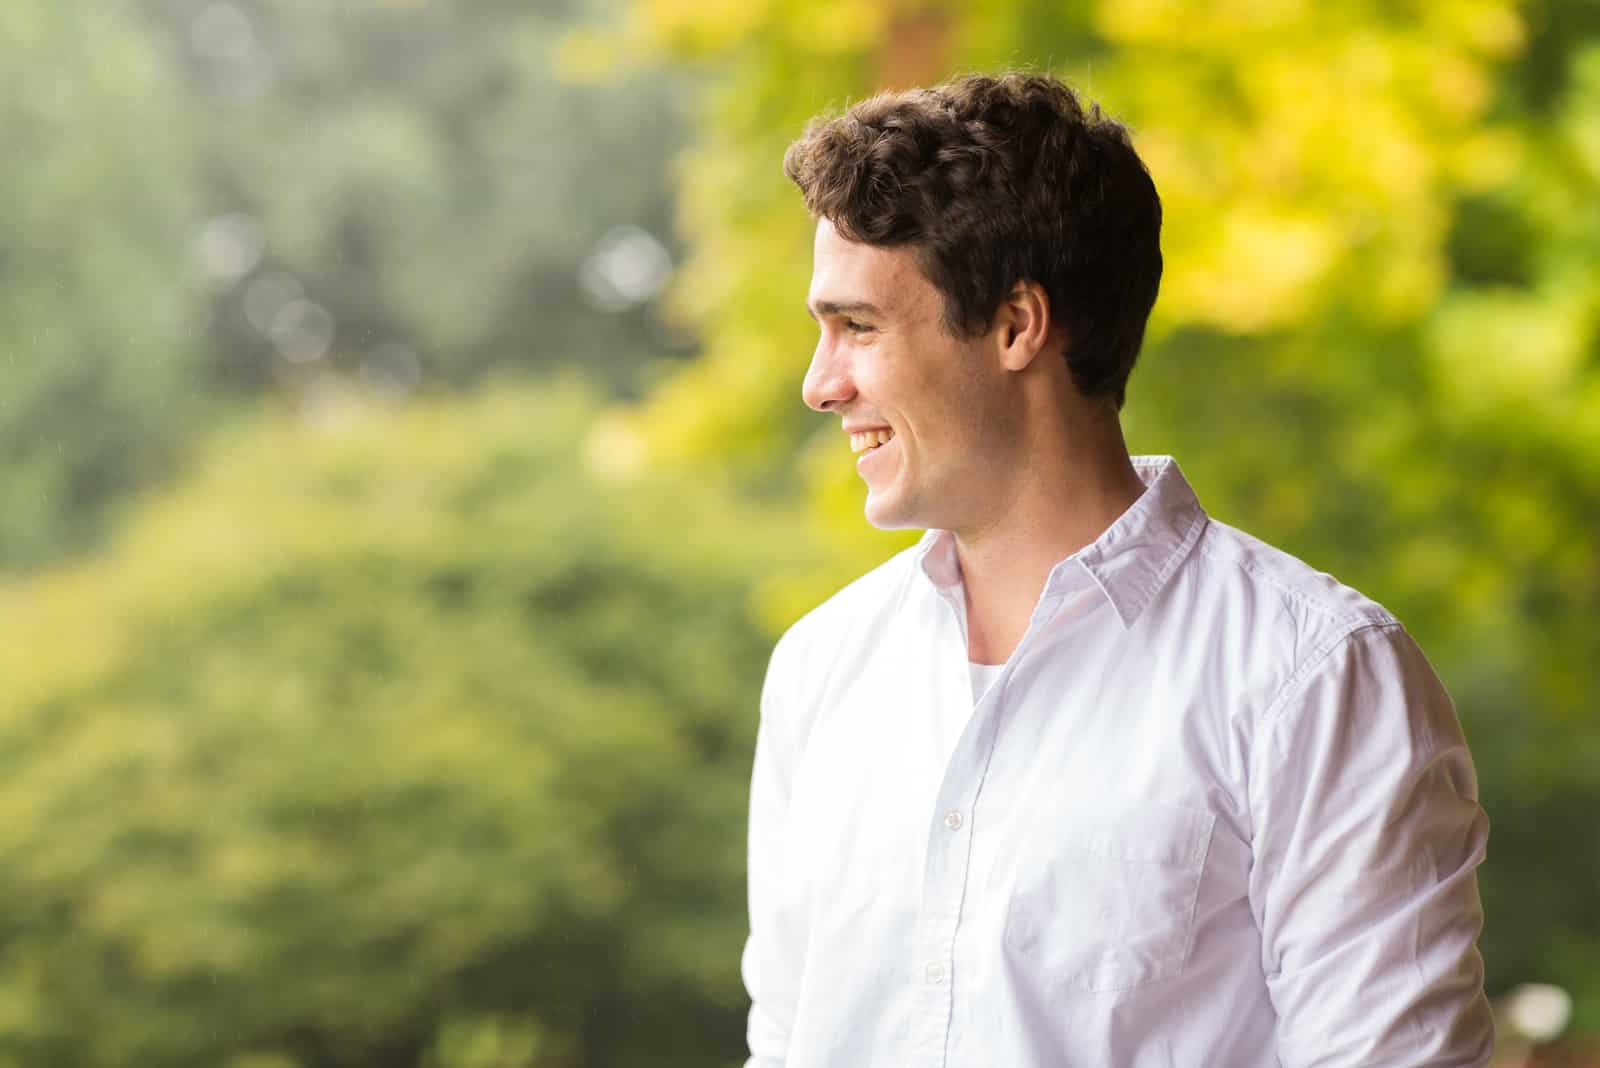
{"x": 949, "y": 853}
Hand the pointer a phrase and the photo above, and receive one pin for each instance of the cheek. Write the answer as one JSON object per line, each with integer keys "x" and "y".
{"x": 969, "y": 411}
{"x": 983, "y": 440}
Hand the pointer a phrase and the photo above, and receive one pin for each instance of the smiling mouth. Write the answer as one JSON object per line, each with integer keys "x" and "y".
{"x": 868, "y": 440}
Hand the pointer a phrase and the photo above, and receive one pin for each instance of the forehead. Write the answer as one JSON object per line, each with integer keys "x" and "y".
{"x": 849, "y": 272}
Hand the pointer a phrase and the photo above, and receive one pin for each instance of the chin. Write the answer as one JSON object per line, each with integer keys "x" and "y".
{"x": 886, "y": 515}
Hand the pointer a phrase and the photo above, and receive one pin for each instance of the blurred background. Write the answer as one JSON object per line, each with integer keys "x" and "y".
{"x": 405, "y": 476}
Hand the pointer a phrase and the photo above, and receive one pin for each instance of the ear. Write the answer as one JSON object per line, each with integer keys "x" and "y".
{"x": 1023, "y": 327}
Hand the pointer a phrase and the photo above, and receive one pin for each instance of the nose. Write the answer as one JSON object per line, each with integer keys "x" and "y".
{"x": 827, "y": 383}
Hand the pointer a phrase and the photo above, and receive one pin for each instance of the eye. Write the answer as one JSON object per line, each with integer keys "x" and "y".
{"x": 856, "y": 327}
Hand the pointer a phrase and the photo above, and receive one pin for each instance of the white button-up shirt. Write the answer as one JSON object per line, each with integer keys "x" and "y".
{"x": 1215, "y": 810}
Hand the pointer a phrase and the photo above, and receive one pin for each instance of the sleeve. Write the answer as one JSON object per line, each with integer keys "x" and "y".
{"x": 1367, "y": 836}
{"x": 770, "y": 968}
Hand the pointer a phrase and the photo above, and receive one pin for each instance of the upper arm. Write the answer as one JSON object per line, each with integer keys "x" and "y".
{"x": 1367, "y": 834}
{"x": 770, "y": 971}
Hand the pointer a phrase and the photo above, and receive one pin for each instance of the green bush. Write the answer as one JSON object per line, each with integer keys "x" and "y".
{"x": 398, "y": 739}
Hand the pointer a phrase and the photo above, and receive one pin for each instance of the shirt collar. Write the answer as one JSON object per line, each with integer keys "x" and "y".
{"x": 1130, "y": 561}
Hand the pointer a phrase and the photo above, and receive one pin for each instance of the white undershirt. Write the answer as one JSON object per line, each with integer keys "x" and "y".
{"x": 982, "y": 676}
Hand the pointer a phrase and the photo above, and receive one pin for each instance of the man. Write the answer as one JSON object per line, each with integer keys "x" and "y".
{"x": 1085, "y": 777}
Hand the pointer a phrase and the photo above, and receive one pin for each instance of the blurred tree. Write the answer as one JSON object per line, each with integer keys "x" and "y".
{"x": 1378, "y": 340}
{"x": 97, "y": 299}
{"x": 391, "y": 739}
{"x": 430, "y": 180}
{"x": 215, "y": 198}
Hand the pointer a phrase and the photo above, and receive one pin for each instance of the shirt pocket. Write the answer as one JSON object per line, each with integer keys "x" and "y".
{"x": 1104, "y": 898}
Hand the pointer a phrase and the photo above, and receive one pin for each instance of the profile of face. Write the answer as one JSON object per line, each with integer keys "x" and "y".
{"x": 885, "y": 362}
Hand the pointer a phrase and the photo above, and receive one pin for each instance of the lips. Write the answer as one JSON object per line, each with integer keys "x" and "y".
{"x": 873, "y": 455}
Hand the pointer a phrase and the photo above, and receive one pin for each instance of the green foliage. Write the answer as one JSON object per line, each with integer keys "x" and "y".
{"x": 428, "y": 175}
{"x": 387, "y": 739}
{"x": 1378, "y": 340}
{"x": 214, "y": 200}
{"x": 97, "y": 299}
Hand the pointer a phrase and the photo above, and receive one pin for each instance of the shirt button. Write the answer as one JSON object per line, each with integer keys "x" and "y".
{"x": 935, "y": 973}
{"x": 952, "y": 820}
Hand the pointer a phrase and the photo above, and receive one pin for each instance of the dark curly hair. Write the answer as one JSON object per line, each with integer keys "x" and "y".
{"x": 992, "y": 180}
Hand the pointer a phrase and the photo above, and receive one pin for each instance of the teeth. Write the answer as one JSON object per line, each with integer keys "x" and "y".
{"x": 869, "y": 439}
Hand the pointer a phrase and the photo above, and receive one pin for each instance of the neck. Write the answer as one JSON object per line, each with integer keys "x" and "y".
{"x": 1077, "y": 479}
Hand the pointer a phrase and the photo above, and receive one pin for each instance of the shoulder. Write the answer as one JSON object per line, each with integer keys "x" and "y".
{"x": 1262, "y": 571}
{"x": 1282, "y": 614}
{"x": 817, "y": 651}
{"x": 863, "y": 603}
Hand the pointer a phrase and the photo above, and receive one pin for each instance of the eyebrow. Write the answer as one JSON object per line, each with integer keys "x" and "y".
{"x": 830, "y": 307}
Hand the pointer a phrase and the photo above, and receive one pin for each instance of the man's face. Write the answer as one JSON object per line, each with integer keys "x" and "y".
{"x": 885, "y": 361}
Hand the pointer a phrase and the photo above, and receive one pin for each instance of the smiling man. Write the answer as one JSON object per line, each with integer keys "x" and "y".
{"x": 1085, "y": 777}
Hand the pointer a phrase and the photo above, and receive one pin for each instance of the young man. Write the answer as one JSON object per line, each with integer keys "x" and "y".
{"x": 1085, "y": 777}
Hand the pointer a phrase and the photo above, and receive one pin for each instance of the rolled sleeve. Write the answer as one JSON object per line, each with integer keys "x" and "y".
{"x": 1367, "y": 835}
